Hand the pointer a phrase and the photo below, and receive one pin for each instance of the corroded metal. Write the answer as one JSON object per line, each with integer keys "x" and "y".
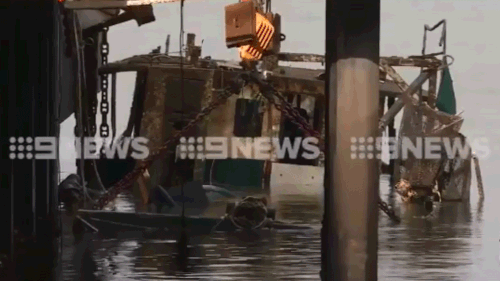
{"x": 426, "y": 62}
{"x": 129, "y": 179}
{"x": 240, "y": 24}
{"x": 404, "y": 99}
{"x": 298, "y": 86}
{"x": 292, "y": 57}
{"x": 250, "y": 213}
{"x": 431, "y": 97}
{"x": 295, "y": 81}
{"x": 153, "y": 119}
{"x": 389, "y": 70}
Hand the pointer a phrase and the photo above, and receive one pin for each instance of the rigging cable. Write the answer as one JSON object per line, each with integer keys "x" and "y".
{"x": 81, "y": 76}
{"x": 81, "y": 56}
{"x": 58, "y": 118}
{"x": 86, "y": 113}
{"x": 80, "y": 110}
{"x": 181, "y": 45}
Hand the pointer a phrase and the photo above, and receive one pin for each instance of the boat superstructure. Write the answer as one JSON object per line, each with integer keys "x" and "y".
{"x": 198, "y": 97}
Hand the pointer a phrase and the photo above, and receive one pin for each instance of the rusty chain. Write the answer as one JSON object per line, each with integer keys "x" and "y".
{"x": 104, "y": 128}
{"x": 130, "y": 178}
{"x": 388, "y": 210}
{"x": 269, "y": 92}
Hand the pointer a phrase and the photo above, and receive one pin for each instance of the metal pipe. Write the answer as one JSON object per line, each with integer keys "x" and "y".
{"x": 167, "y": 45}
{"x": 113, "y": 106}
{"x": 399, "y": 104}
{"x": 480, "y": 188}
{"x": 352, "y": 92}
{"x": 442, "y": 40}
{"x": 392, "y": 135}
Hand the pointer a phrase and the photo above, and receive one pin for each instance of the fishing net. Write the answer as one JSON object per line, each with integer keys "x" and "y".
{"x": 454, "y": 178}
{"x": 418, "y": 122}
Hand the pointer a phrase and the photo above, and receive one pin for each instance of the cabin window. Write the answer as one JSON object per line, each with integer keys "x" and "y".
{"x": 290, "y": 130}
{"x": 248, "y": 118}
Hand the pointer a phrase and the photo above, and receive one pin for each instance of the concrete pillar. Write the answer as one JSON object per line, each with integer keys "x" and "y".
{"x": 349, "y": 235}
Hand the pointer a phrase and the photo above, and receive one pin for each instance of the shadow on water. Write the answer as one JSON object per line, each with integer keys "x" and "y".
{"x": 84, "y": 263}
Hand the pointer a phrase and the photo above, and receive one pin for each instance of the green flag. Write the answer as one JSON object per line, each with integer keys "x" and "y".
{"x": 446, "y": 96}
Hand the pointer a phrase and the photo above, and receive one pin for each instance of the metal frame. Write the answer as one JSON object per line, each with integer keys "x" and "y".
{"x": 442, "y": 41}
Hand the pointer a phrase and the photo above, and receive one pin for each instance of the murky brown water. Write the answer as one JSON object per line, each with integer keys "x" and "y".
{"x": 447, "y": 246}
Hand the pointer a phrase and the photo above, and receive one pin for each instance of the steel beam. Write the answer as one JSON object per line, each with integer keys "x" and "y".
{"x": 405, "y": 98}
{"x": 296, "y": 57}
{"x": 426, "y": 62}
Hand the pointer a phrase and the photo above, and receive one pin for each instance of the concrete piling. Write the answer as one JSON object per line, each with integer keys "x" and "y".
{"x": 349, "y": 234}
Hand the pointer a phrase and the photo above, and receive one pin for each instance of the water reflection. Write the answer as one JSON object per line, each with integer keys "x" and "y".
{"x": 84, "y": 263}
{"x": 432, "y": 247}
{"x": 439, "y": 247}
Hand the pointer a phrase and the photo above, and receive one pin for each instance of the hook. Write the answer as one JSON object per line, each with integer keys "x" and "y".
{"x": 445, "y": 63}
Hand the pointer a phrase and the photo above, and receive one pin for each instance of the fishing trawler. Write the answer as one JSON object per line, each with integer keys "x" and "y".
{"x": 176, "y": 96}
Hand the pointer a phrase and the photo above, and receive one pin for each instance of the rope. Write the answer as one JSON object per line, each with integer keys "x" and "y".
{"x": 80, "y": 111}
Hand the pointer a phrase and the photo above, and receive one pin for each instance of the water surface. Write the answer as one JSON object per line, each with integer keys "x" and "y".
{"x": 449, "y": 245}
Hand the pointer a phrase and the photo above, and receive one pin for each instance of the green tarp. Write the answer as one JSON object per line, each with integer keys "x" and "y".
{"x": 446, "y": 96}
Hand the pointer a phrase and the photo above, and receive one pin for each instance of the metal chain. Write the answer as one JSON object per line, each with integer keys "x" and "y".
{"x": 93, "y": 108}
{"x": 129, "y": 179}
{"x": 104, "y": 128}
{"x": 388, "y": 210}
{"x": 296, "y": 118}
{"x": 300, "y": 121}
